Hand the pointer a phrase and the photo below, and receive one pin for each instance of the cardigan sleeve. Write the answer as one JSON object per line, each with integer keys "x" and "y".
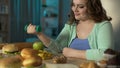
{"x": 61, "y": 41}
{"x": 104, "y": 41}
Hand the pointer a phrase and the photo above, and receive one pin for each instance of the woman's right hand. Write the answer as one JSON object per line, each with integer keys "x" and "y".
{"x": 31, "y": 29}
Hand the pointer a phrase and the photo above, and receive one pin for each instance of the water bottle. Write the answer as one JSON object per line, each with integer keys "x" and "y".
{"x": 38, "y": 28}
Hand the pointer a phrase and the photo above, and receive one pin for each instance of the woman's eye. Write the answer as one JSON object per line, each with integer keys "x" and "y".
{"x": 81, "y": 6}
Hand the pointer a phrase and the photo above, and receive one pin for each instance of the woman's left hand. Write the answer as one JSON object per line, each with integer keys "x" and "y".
{"x": 69, "y": 52}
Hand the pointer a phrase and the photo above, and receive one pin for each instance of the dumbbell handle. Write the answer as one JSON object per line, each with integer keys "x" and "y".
{"x": 38, "y": 28}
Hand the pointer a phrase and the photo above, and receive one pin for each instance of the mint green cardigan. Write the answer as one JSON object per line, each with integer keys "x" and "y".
{"x": 100, "y": 38}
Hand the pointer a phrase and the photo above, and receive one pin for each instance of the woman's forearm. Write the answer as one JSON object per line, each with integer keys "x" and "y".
{"x": 80, "y": 54}
{"x": 44, "y": 39}
{"x": 69, "y": 52}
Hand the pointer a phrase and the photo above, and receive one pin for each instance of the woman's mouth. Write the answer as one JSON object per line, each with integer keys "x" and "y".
{"x": 77, "y": 14}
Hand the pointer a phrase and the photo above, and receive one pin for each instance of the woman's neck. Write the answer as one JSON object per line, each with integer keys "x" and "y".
{"x": 86, "y": 21}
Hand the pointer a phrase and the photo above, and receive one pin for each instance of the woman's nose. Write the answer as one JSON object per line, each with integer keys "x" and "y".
{"x": 76, "y": 8}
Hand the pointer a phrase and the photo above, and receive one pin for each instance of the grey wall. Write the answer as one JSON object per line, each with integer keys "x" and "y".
{"x": 113, "y": 9}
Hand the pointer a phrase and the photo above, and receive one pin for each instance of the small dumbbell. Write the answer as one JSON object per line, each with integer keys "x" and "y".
{"x": 38, "y": 28}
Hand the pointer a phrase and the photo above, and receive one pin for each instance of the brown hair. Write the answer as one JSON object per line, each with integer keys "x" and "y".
{"x": 94, "y": 9}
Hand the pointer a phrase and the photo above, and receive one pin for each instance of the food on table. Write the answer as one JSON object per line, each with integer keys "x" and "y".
{"x": 109, "y": 53}
{"x": 38, "y": 46}
{"x": 59, "y": 59}
{"x": 32, "y": 61}
{"x": 2, "y": 44}
{"x": 1, "y": 55}
{"x": 111, "y": 57}
{"x": 45, "y": 55}
{"x": 10, "y": 62}
{"x": 89, "y": 64}
{"x": 30, "y": 57}
{"x": 102, "y": 63}
{"x": 10, "y": 49}
{"x": 28, "y": 52}
{"x": 115, "y": 60}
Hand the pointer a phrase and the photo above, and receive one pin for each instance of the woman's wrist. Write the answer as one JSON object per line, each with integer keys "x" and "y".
{"x": 38, "y": 33}
{"x": 79, "y": 54}
{"x": 43, "y": 38}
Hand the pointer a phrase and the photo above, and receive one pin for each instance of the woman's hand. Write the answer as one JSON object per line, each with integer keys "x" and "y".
{"x": 31, "y": 29}
{"x": 69, "y": 52}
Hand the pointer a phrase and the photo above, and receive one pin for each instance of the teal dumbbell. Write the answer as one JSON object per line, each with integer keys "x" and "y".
{"x": 38, "y": 28}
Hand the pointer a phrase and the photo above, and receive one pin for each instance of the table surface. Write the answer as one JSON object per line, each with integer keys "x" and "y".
{"x": 71, "y": 62}
{"x": 74, "y": 61}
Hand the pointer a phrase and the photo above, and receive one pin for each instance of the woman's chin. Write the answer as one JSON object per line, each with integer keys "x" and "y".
{"x": 77, "y": 18}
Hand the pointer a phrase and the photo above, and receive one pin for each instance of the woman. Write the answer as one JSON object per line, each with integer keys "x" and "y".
{"x": 87, "y": 34}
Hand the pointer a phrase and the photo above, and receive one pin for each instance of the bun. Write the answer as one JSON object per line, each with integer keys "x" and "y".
{"x": 90, "y": 64}
{"x": 10, "y": 62}
{"x": 32, "y": 61}
{"x": 31, "y": 57}
{"x": 28, "y": 52}
{"x": 9, "y": 48}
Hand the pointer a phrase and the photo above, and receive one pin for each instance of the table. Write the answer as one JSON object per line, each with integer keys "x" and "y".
{"x": 74, "y": 61}
{"x": 71, "y": 62}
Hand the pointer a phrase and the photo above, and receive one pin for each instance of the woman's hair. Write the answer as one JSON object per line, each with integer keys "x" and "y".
{"x": 95, "y": 11}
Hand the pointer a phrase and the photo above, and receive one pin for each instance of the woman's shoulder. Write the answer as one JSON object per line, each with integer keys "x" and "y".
{"x": 70, "y": 25}
{"x": 103, "y": 23}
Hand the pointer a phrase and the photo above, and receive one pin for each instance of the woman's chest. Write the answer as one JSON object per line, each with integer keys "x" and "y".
{"x": 83, "y": 31}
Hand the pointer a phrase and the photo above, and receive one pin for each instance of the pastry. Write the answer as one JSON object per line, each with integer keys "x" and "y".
{"x": 59, "y": 59}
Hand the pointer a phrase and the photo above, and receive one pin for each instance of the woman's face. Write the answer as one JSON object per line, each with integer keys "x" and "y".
{"x": 79, "y": 9}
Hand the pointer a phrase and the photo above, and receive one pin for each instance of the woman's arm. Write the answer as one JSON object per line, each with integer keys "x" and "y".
{"x": 44, "y": 38}
{"x": 103, "y": 40}
{"x": 40, "y": 35}
{"x": 69, "y": 52}
{"x": 61, "y": 41}
{"x": 54, "y": 45}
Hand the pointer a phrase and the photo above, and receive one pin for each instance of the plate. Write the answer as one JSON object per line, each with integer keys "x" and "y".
{"x": 41, "y": 66}
{"x": 61, "y": 66}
